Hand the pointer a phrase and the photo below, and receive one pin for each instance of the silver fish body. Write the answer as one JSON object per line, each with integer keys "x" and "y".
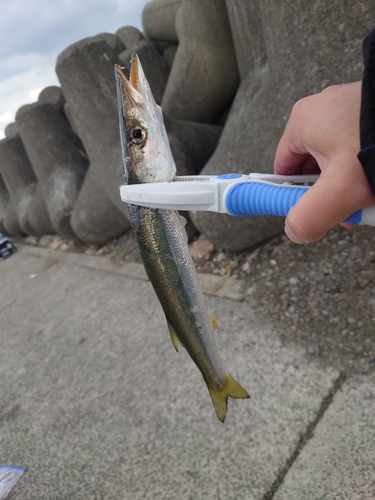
{"x": 162, "y": 242}
{"x": 162, "y": 238}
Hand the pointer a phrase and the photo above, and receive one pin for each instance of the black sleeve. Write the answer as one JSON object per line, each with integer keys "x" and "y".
{"x": 367, "y": 118}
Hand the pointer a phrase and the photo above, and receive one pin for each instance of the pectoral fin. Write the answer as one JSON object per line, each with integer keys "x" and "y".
{"x": 175, "y": 340}
{"x": 220, "y": 396}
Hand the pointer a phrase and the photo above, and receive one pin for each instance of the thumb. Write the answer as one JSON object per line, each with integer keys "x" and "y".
{"x": 322, "y": 207}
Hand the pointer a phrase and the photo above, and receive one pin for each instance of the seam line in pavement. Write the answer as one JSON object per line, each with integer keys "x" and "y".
{"x": 305, "y": 437}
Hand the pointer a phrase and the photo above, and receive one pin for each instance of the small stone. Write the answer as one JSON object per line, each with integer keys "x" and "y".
{"x": 102, "y": 251}
{"x": 46, "y": 240}
{"x": 311, "y": 350}
{"x": 351, "y": 321}
{"x": 56, "y": 243}
{"x": 201, "y": 248}
{"x": 358, "y": 349}
{"x": 335, "y": 320}
{"x": 246, "y": 267}
{"x": 91, "y": 250}
{"x": 360, "y": 324}
{"x": 233, "y": 264}
{"x": 273, "y": 262}
{"x": 221, "y": 256}
{"x": 293, "y": 280}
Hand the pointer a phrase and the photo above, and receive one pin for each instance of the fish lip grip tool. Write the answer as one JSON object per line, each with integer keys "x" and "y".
{"x": 232, "y": 193}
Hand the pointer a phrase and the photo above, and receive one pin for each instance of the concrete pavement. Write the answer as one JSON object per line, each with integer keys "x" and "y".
{"x": 96, "y": 404}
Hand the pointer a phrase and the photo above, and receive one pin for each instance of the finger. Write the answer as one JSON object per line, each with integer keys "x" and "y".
{"x": 288, "y": 161}
{"x": 320, "y": 209}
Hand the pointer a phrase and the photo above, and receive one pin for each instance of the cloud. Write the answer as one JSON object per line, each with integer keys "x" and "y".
{"x": 43, "y": 26}
{"x": 34, "y": 73}
{"x": 36, "y": 31}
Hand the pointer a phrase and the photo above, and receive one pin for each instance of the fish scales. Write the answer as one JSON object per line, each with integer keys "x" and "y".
{"x": 162, "y": 239}
{"x": 162, "y": 242}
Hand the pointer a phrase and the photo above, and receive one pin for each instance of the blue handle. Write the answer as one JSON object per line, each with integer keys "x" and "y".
{"x": 259, "y": 198}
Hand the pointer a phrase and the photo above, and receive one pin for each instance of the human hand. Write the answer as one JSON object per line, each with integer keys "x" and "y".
{"x": 322, "y": 136}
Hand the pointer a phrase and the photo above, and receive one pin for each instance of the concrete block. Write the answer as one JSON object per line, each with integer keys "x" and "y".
{"x": 59, "y": 164}
{"x": 306, "y": 50}
{"x": 153, "y": 64}
{"x": 19, "y": 177}
{"x": 113, "y": 40}
{"x": 53, "y": 95}
{"x": 4, "y": 201}
{"x": 169, "y": 53}
{"x": 85, "y": 70}
{"x": 95, "y": 219}
{"x": 11, "y": 224}
{"x": 129, "y": 35}
{"x": 158, "y": 20}
{"x": 198, "y": 140}
{"x": 247, "y": 32}
{"x": 11, "y": 130}
{"x": 204, "y": 76}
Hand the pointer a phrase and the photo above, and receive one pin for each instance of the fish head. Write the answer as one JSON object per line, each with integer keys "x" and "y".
{"x": 145, "y": 146}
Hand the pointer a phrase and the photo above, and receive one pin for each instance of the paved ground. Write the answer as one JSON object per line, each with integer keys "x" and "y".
{"x": 96, "y": 404}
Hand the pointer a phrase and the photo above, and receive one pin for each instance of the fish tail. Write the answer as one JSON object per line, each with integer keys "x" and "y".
{"x": 220, "y": 396}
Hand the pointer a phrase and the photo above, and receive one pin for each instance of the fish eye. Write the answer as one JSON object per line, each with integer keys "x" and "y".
{"x": 137, "y": 135}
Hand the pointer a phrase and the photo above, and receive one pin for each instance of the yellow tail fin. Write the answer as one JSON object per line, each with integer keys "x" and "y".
{"x": 220, "y": 396}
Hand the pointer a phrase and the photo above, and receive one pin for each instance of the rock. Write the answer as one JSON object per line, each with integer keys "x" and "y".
{"x": 329, "y": 37}
{"x": 154, "y": 66}
{"x": 56, "y": 243}
{"x": 11, "y": 130}
{"x": 60, "y": 166}
{"x": 53, "y": 95}
{"x": 4, "y": 201}
{"x": 201, "y": 248}
{"x": 158, "y": 20}
{"x": 21, "y": 182}
{"x": 129, "y": 36}
{"x": 114, "y": 41}
{"x": 99, "y": 213}
{"x": 204, "y": 76}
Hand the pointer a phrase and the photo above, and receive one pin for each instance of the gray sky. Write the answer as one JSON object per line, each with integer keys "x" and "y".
{"x": 34, "y": 32}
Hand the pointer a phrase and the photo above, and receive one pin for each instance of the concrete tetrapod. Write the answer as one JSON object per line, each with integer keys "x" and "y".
{"x": 27, "y": 202}
{"x": 86, "y": 73}
{"x": 4, "y": 201}
{"x": 277, "y": 72}
{"x": 159, "y": 18}
{"x": 204, "y": 76}
{"x": 58, "y": 160}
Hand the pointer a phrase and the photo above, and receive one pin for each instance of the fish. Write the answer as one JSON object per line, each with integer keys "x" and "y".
{"x": 162, "y": 238}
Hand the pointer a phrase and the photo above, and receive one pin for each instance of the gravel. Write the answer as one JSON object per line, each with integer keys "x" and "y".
{"x": 320, "y": 296}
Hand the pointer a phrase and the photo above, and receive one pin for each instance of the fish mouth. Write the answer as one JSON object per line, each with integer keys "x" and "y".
{"x": 133, "y": 90}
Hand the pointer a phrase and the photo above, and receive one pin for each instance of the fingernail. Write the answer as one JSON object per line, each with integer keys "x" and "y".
{"x": 292, "y": 236}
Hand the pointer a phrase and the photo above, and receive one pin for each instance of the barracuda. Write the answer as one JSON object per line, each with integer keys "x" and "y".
{"x": 162, "y": 239}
